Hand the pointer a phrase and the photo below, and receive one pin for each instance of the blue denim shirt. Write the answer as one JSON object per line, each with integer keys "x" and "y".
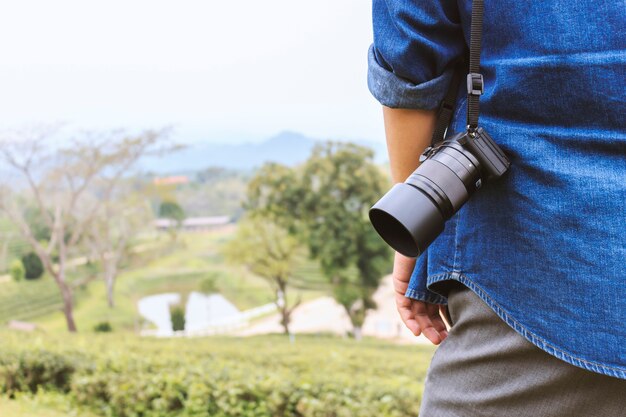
{"x": 545, "y": 246}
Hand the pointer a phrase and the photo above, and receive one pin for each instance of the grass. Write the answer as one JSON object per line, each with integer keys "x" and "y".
{"x": 28, "y": 299}
{"x": 180, "y": 269}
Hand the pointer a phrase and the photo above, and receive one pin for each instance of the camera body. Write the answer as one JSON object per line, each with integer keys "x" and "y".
{"x": 412, "y": 214}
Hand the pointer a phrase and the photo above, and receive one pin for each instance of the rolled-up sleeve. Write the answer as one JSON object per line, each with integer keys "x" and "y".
{"x": 416, "y": 46}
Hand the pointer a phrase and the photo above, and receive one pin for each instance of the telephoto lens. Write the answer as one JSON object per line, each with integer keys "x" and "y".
{"x": 412, "y": 214}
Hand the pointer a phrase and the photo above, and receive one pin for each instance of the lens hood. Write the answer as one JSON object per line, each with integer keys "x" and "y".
{"x": 407, "y": 219}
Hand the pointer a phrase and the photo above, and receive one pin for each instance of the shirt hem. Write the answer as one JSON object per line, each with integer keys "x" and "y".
{"x": 518, "y": 327}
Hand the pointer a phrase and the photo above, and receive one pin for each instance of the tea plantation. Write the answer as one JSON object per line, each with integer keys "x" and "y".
{"x": 127, "y": 376}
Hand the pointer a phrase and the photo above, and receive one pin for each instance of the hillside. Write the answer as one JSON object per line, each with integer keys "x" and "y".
{"x": 289, "y": 148}
{"x": 179, "y": 268}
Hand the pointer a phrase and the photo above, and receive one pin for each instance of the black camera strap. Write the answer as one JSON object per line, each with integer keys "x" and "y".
{"x": 475, "y": 84}
{"x": 446, "y": 108}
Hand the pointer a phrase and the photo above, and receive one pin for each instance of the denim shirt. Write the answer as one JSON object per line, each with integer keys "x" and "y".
{"x": 545, "y": 246}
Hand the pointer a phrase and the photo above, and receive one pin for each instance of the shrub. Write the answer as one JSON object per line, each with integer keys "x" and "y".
{"x": 125, "y": 376}
{"x": 16, "y": 270}
{"x": 32, "y": 266}
{"x": 209, "y": 284}
{"x": 31, "y": 370}
{"x": 103, "y": 327}
{"x": 178, "y": 318}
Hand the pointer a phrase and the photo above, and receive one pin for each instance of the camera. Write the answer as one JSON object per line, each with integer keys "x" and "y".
{"x": 412, "y": 214}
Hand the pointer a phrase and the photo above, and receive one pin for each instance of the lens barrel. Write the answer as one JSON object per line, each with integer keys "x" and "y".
{"x": 412, "y": 214}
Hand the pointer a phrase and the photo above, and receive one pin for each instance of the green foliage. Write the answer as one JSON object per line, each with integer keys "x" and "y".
{"x": 271, "y": 252}
{"x": 265, "y": 248}
{"x": 326, "y": 202}
{"x": 209, "y": 284}
{"x": 32, "y": 265}
{"x": 269, "y": 376}
{"x": 37, "y": 223}
{"x": 17, "y": 271}
{"x": 178, "y": 318}
{"x": 103, "y": 327}
{"x": 29, "y": 370}
{"x": 171, "y": 210}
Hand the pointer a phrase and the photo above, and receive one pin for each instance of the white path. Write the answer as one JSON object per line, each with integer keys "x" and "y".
{"x": 325, "y": 315}
{"x": 213, "y": 314}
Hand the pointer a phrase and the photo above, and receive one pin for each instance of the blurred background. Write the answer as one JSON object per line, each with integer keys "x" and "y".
{"x": 184, "y": 190}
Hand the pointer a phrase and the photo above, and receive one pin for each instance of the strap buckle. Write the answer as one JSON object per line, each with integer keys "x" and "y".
{"x": 475, "y": 84}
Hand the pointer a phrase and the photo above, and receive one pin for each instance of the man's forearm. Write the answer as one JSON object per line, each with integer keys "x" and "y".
{"x": 408, "y": 133}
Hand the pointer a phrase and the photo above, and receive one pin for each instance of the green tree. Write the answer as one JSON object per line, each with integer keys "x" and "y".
{"x": 209, "y": 284}
{"x": 33, "y": 267}
{"x": 270, "y": 252}
{"x": 325, "y": 202}
{"x": 17, "y": 270}
{"x": 172, "y": 210}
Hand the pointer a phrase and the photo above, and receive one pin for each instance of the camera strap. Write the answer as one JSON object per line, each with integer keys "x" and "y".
{"x": 475, "y": 84}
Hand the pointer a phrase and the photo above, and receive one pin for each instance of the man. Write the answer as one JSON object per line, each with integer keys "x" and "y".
{"x": 532, "y": 266}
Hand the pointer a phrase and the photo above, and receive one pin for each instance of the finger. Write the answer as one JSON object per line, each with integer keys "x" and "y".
{"x": 412, "y": 325}
{"x": 402, "y": 268}
{"x": 435, "y": 317}
{"x": 400, "y": 286}
{"x": 404, "y": 306}
{"x": 425, "y": 322}
{"x": 438, "y": 323}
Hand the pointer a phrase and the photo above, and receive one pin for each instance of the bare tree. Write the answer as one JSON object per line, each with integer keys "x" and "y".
{"x": 68, "y": 185}
{"x": 109, "y": 236}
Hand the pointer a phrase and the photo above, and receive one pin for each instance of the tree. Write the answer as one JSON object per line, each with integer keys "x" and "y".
{"x": 270, "y": 252}
{"x": 177, "y": 315}
{"x": 172, "y": 210}
{"x": 17, "y": 270}
{"x": 117, "y": 221}
{"x": 325, "y": 202}
{"x": 209, "y": 284}
{"x": 67, "y": 184}
{"x": 33, "y": 267}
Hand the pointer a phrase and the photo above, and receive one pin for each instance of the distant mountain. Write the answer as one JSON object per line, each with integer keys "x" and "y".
{"x": 289, "y": 148}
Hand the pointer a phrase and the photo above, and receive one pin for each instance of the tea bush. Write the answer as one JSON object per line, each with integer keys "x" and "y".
{"x": 33, "y": 267}
{"x": 103, "y": 327}
{"x": 266, "y": 376}
{"x": 30, "y": 370}
{"x": 177, "y": 314}
{"x": 17, "y": 271}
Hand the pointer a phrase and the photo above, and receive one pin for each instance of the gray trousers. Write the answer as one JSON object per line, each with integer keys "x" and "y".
{"x": 486, "y": 369}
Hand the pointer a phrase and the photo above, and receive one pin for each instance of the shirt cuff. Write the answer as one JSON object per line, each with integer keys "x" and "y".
{"x": 397, "y": 92}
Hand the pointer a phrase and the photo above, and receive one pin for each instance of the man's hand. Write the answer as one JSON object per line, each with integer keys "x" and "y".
{"x": 408, "y": 133}
{"x": 418, "y": 316}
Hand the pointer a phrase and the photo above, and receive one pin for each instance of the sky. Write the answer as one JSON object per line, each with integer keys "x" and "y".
{"x": 220, "y": 71}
